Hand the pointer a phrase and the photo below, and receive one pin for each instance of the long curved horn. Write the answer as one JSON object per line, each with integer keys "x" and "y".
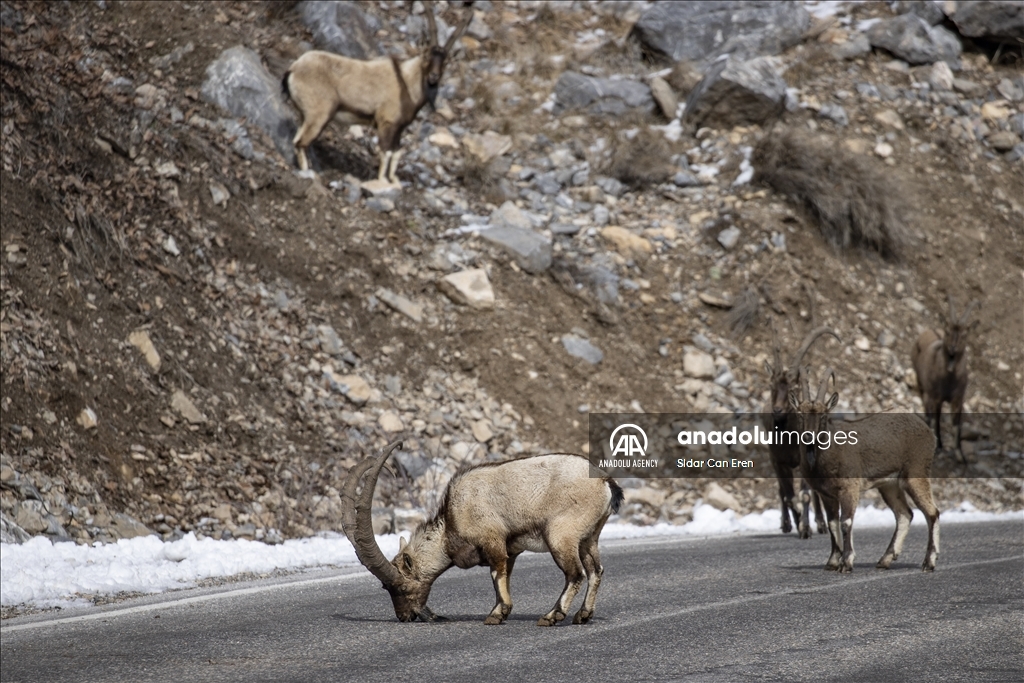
{"x": 810, "y": 339}
{"x": 967, "y": 311}
{"x": 824, "y": 385}
{"x": 952, "y": 310}
{"x": 356, "y": 520}
{"x": 428, "y": 11}
{"x": 806, "y": 374}
{"x": 463, "y": 25}
{"x": 776, "y": 349}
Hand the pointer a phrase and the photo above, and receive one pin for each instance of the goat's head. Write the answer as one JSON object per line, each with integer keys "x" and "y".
{"x": 785, "y": 381}
{"x": 404, "y": 578}
{"x": 814, "y": 413}
{"x": 955, "y": 336}
{"x": 436, "y": 56}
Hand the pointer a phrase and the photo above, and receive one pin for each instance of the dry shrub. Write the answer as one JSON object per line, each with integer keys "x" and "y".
{"x": 641, "y": 162}
{"x": 854, "y": 199}
{"x": 744, "y": 312}
{"x": 484, "y": 179}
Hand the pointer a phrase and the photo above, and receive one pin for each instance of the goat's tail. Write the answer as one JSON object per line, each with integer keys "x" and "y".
{"x": 616, "y": 495}
{"x": 284, "y": 84}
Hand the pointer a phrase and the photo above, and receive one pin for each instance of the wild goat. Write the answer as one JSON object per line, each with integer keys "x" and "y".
{"x": 941, "y": 366}
{"x": 490, "y": 514}
{"x": 383, "y": 91}
{"x": 785, "y": 457}
{"x": 888, "y": 451}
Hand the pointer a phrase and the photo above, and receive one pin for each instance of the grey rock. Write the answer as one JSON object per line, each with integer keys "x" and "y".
{"x": 547, "y": 183}
{"x": 237, "y": 82}
{"x": 611, "y": 186}
{"x": 729, "y": 237}
{"x": 857, "y": 46}
{"x": 574, "y": 91}
{"x": 330, "y": 343}
{"x": 912, "y": 39}
{"x": 380, "y": 204}
{"x": 886, "y": 339}
{"x": 926, "y": 9}
{"x": 1010, "y": 90}
{"x": 339, "y": 26}
{"x": 564, "y": 228}
{"x": 509, "y": 215}
{"x": 31, "y": 515}
{"x": 686, "y": 179}
{"x": 531, "y": 251}
{"x": 602, "y": 281}
{"x": 702, "y": 31}
{"x": 1017, "y": 124}
{"x": 582, "y": 348}
{"x": 868, "y": 90}
{"x": 1003, "y": 141}
{"x": 734, "y": 93}
{"x": 967, "y": 87}
{"x": 10, "y": 532}
{"x": 834, "y": 112}
{"x": 703, "y": 343}
{"x": 601, "y": 215}
{"x": 1015, "y": 154}
{"x": 1002, "y": 21}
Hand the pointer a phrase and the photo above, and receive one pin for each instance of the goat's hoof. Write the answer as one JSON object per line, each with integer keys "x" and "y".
{"x": 582, "y": 617}
{"x": 786, "y": 527}
{"x": 822, "y": 529}
{"x": 550, "y": 620}
{"x": 830, "y": 567}
{"x": 493, "y": 620}
{"x": 928, "y": 567}
{"x": 884, "y": 563}
{"x": 846, "y": 569}
{"x": 805, "y": 533}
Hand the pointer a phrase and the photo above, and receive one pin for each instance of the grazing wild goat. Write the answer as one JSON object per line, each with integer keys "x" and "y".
{"x": 888, "y": 451}
{"x": 785, "y": 457}
{"x": 384, "y": 91}
{"x": 941, "y": 366}
{"x": 490, "y": 514}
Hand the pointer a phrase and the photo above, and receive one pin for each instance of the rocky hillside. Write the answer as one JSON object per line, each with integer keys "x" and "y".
{"x": 195, "y": 337}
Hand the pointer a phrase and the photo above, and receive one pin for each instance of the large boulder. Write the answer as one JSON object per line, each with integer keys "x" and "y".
{"x": 1001, "y": 21}
{"x": 735, "y": 93}
{"x": 341, "y": 27}
{"x": 914, "y": 40}
{"x": 237, "y": 82}
{"x": 601, "y": 95}
{"x": 702, "y": 31}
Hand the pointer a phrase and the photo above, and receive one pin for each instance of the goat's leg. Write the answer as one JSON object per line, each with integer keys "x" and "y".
{"x": 896, "y": 499}
{"x": 313, "y": 122}
{"x": 803, "y": 525}
{"x": 936, "y": 410}
{"x": 920, "y": 490}
{"x": 819, "y": 516}
{"x": 501, "y": 569}
{"x": 786, "y": 498}
{"x": 958, "y": 415}
{"x": 393, "y": 169}
{"x": 385, "y": 161}
{"x": 832, "y": 514}
{"x": 848, "y": 497}
{"x": 567, "y": 557}
{"x": 592, "y": 565}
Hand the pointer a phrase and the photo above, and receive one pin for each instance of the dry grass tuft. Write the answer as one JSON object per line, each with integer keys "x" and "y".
{"x": 641, "y": 162}
{"x": 744, "y": 312}
{"x": 855, "y": 200}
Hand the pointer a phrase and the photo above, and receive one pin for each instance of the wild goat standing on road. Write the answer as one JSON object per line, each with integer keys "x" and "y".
{"x": 888, "y": 451}
{"x": 490, "y": 514}
{"x": 941, "y": 366}
{"x": 785, "y": 457}
{"x": 384, "y": 91}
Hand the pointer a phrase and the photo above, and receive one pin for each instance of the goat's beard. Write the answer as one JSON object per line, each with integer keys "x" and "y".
{"x": 431, "y": 93}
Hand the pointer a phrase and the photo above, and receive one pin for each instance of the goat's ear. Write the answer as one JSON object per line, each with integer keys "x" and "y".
{"x": 768, "y": 368}
{"x": 794, "y": 402}
{"x": 831, "y": 403}
{"x": 407, "y": 562}
{"x": 402, "y": 543}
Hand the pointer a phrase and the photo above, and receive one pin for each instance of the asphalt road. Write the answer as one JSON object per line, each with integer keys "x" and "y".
{"x": 751, "y": 608}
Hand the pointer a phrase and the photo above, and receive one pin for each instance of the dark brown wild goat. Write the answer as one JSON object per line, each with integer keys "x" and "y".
{"x": 383, "y": 91}
{"x": 889, "y": 451}
{"x": 785, "y": 457}
{"x": 940, "y": 362}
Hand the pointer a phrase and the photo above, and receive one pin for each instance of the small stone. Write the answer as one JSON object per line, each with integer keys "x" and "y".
{"x": 186, "y": 408}
{"x": 835, "y": 113}
{"x": 862, "y": 343}
{"x": 890, "y": 119}
{"x": 719, "y": 498}
{"x": 1003, "y": 141}
{"x": 140, "y": 340}
{"x": 401, "y": 304}
{"x": 171, "y": 246}
{"x": 886, "y": 339}
{"x": 665, "y": 97}
{"x": 219, "y": 193}
{"x": 941, "y": 76}
{"x": 330, "y": 343}
{"x": 390, "y": 422}
{"x": 469, "y": 287}
{"x": 487, "y": 146}
{"x": 698, "y": 364}
{"x": 380, "y": 188}
{"x": 626, "y": 243}
{"x": 884, "y": 150}
{"x": 380, "y": 204}
{"x": 582, "y": 348}
{"x": 729, "y": 237}
{"x": 352, "y": 387}
{"x": 167, "y": 170}
{"x": 482, "y": 431}
{"x": 994, "y": 111}
{"x": 87, "y": 418}
{"x": 686, "y": 179}
{"x": 442, "y": 138}
{"x": 966, "y": 87}
{"x": 1007, "y": 89}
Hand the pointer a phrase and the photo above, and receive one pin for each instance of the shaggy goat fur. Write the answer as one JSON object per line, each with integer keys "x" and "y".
{"x": 854, "y": 202}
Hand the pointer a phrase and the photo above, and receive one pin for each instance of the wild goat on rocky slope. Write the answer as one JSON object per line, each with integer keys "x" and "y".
{"x": 785, "y": 457}
{"x": 490, "y": 514}
{"x": 940, "y": 362}
{"x": 888, "y": 451}
{"x": 383, "y": 91}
